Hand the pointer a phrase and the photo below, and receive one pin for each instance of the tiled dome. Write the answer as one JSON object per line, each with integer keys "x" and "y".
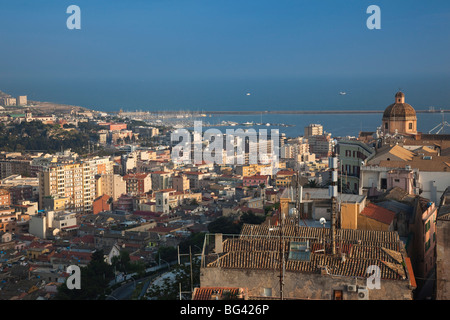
{"x": 400, "y": 110}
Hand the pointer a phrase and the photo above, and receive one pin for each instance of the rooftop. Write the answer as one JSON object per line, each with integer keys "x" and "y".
{"x": 378, "y": 213}
{"x": 258, "y": 247}
{"x": 438, "y": 164}
{"x": 321, "y": 193}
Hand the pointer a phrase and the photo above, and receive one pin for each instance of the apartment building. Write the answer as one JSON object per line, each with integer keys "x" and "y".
{"x": 138, "y": 183}
{"x": 321, "y": 145}
{"x": 111, "y": 184}
{"x": 22, "y": 100}
{"x": 352, "y": 153}
{"x": 161, "y": 180}
{"x": 180, "y": 183}
{"x": 75, "y": 181}
{"x": 5, "y": 198}
{"x": 313, "y": 130}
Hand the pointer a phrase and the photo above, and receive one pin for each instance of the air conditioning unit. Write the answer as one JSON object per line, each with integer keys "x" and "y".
{"x": 351, "y": 288}
{"x": 363, "y": 293}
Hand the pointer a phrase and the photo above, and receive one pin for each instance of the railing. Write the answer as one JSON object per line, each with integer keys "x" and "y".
{"x": 209, "y": 247}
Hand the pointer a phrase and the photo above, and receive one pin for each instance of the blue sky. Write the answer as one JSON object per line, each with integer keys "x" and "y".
{"x": 222, "y": 43}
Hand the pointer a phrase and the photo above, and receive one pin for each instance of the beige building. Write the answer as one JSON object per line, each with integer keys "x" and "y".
{"x": 161, "y": 180}
{"x": 51, "y": 222}
{"x": 55, "y": 204}
{"x": 180, "y": 183}
{"x": 8, "y": 101}
{"x": 22, "y": 100}
{"x": 313, "y": 130}
{"x": 110, "y": 184}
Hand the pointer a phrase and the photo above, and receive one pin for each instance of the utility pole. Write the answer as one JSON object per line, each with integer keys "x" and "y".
{"x": 281, "y": 257}
{"x": 190, "y": 262}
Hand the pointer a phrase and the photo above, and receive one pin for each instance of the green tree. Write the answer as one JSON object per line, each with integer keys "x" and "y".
{"x": 95, "y": 278}
{"x": 167, "y": 253}
{"x": 250, "y": 218}
{"x": 225, "y": 225}
{"x": 121, "y": 262}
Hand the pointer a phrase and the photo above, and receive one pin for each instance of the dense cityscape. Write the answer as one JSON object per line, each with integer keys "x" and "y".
{"x": 224, "y": 158}
{"x": 320, "y": 217}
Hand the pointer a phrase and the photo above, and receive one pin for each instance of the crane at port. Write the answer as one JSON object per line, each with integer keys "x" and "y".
{"x": 441, "y": 126}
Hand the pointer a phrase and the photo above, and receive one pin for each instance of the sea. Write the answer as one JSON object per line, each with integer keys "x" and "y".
{"x": 339, "y": 125}
{"x": 252, "y": 94}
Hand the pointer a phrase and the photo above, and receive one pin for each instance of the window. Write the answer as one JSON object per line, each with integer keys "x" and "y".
{"x": 427, "y": 226}
{"x": 337, "y": 294}
{"x": 385, "y": 125}
{"x": 383, "y": 183}
{"x": 427, "y": 245}
{"x": 410, "y": 126}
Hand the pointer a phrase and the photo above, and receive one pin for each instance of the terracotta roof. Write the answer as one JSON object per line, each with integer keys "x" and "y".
{"x": 397, "y": 151}
{"x": 207, "y": 293}
{"x": 438, "y": 164}
{"x": 285, "y": 173}
{"x": 85, "y": 239}
{"x": 73, "y": 255}
{"x": 379, "y": 214}
{"x": 258, "y": 248}
{"x": 302, "y": 232}
{"x": 104, "y": 197}
{"x": 258, "y": 176}
{"x": 136, "y": 176}
{"x": 269, "y": 260}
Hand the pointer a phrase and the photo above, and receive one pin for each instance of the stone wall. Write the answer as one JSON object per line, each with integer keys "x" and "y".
{"x": 301, "y": 285}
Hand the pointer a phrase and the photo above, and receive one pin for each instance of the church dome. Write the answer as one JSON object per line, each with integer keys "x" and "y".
{"x": 400, "y": 110}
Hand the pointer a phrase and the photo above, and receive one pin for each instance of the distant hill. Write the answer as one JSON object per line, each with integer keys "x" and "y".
{"x": 4, "y": 95}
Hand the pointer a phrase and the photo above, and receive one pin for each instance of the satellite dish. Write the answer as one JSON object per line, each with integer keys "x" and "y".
{"x": 322, "y": 221}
